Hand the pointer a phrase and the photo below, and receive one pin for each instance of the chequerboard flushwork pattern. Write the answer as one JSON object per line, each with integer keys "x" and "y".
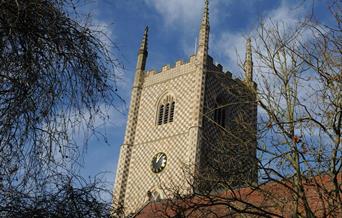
{"x": 181, "y": 140}
{"x": 172, "y": 138}
{"x": 171, "y": 113}
{"x": 228, "y": 151}
{"x": 177, "y": 139}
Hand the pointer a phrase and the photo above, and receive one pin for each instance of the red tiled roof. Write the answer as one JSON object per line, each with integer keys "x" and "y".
{"x": 273, "y": 199}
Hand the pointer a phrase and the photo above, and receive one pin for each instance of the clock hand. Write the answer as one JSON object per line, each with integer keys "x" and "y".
{"x": 159, "y": 156}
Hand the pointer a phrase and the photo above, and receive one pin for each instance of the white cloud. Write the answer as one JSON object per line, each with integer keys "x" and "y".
{"x": 186, "y": 15}
{"x": 104, "y": 32}
{"x": 178, "y": 11}
{"x": 186, "y": 12}
{"x": 79, "y": 124}
{"x": 108, "y": 117}
{"x": 288, "y": 14}
{"x": 230, "y": 46}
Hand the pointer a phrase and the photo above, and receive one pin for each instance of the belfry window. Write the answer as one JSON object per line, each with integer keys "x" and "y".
{"x": 220, "y": 112}
{"x": 220, "y": 116}
{"x": 166, "y": 110}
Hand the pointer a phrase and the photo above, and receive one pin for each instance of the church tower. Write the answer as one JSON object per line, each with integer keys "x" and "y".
{"x": 190, "y": 127}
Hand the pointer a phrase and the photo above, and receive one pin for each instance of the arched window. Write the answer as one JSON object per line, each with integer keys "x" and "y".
{"x": 166, "y": 110}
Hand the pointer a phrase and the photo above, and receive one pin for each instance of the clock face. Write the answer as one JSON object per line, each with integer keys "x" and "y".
{"x": 158, "y": 162}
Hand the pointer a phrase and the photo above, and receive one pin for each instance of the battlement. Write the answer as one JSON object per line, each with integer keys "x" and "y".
{"x": 168, "y": 68}
{"x": 180, "y": 67}
{"x": 192, "y": 60}
{"x": 218, "y": 68}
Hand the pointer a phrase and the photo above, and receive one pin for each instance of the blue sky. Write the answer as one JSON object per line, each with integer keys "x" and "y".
{"x": 174, "y": 26}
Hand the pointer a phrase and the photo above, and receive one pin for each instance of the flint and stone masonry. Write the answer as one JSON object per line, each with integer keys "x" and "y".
{"x": 208, "y": 135}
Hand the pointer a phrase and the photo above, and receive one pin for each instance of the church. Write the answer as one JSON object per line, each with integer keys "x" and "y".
{"x": 191, "y": 127}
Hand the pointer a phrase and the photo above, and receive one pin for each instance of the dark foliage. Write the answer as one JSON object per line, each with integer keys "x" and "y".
{"x": 65, "y": 197}
{"x": 56, "y": 73}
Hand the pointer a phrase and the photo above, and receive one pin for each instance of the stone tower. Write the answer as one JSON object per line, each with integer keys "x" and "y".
{"x": 189, "y": 127}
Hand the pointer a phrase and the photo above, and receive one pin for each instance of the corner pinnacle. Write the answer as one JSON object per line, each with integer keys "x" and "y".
{"x": 204, "y": 31}
{"x": 144, "y": 42}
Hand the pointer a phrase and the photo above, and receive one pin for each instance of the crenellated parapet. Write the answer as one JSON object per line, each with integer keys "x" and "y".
{"x": 179, "y": 63}
{"x": 181, "y": 67}
{"x": 167, "y": 69}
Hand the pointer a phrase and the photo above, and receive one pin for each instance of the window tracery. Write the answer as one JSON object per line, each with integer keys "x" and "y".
{"x": 166, "y": 110}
